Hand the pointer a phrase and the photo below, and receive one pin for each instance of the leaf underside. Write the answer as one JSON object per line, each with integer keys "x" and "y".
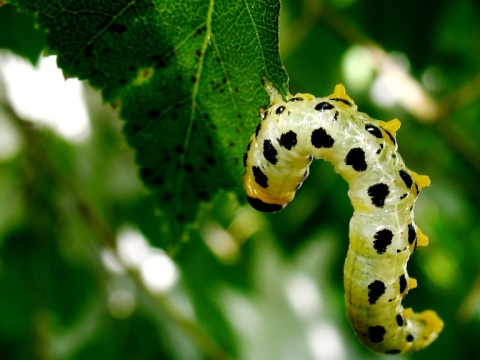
{"x": 185, "y": 77}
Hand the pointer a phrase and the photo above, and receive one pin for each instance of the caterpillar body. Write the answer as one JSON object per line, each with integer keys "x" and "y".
{"x": 382, "y": 190}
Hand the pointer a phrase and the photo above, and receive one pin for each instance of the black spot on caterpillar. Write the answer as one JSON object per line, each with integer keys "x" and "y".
{"x": 382, "y": 191}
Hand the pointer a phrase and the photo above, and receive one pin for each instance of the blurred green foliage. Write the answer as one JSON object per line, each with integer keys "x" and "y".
{"x": 250, "y": 286}
{"x": 19, "y": 35}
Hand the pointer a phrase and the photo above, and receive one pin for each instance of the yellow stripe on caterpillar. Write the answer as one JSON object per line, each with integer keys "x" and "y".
{"x": 383, "y": 191}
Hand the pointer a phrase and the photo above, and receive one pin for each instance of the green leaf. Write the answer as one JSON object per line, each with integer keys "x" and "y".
{"x": 19, "y": 35}
{"x": 185, "y": 77}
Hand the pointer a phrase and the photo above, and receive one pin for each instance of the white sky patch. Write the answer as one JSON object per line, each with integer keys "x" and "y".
{"x": 111, "y": 262}
{"x": 325, "y": 342}
{"x": 304, "y": 296}
{"x": 41, "y": 94}
{"x": 9, "y": 140}
{"x": 395, "y": 86}
{"x": 381, "y": 94}
{"x": 220, "y": 241}
{"x": 132, "y": 247}
{"x": 158, "y": 272}
{"x": 358, "y": 68}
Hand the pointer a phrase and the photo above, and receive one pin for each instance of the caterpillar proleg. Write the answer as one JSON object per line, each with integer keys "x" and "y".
{"x": 382, "y": 190}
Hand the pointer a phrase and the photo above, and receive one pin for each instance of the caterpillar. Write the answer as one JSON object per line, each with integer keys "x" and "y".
{"x": 382, "y": 190}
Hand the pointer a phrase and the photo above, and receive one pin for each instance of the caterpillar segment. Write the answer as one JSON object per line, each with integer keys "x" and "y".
{"x": 382, "y": 190}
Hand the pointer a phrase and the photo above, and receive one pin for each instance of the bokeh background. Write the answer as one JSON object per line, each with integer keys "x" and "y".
{"x": 81, "y": 277}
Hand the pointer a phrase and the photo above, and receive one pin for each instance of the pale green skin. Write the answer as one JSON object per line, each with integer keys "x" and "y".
{"x": 380, "y": 321}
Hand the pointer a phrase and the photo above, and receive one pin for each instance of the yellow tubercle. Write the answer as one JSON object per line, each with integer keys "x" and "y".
{"x": 408, "y": 313}
{"x": 341, "y": 93}
{"x": 421, "y": 180}
{"x": 412, "y": 283}
{"x": 391, "y": 126}
{"x": 305, "y": 96}
{"x": 422, "y": 239}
